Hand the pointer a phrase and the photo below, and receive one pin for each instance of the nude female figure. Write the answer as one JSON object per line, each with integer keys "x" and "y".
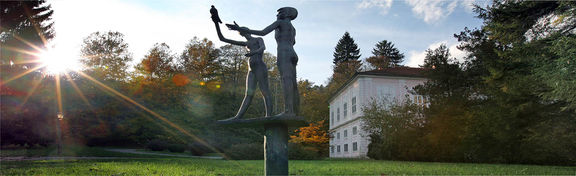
{"x": 257, "y": 71}
{"x": 285, "y": 35}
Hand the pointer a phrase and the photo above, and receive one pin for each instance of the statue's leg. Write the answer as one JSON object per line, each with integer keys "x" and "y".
{"x": 296, "y": 95}
{"x": 295, "y": 84}
{"x": 262, "y": 81}
{"x": 289, "y": 88}
{"x": 250, "y": 88}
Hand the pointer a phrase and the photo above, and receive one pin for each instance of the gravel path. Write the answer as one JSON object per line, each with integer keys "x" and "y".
{"x": 134, "y": 151}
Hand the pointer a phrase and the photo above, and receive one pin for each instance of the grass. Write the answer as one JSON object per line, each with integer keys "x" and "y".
{"x": 136, "y": 164}
{"x": 186, "y": 166}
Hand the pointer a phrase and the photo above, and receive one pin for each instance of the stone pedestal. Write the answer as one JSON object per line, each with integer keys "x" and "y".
{"x": 275, "y": 139}
{"x": 276, "y": 149}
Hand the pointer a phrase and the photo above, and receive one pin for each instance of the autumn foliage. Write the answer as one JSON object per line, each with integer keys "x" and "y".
{"x": 312, "y": 137}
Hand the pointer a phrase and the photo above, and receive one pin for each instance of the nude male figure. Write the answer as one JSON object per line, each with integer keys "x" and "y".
{"x": 285, "y": 35}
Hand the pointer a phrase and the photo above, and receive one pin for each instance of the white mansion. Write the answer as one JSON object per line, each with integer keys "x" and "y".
{"x": 348, "y": 139}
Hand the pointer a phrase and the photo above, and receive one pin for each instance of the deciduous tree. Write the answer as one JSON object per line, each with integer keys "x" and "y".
{"x": 106, "y": 55}
{"x": 200, "y": 60}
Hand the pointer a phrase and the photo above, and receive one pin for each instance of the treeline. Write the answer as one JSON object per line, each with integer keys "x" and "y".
{"x": 513, "y": 100}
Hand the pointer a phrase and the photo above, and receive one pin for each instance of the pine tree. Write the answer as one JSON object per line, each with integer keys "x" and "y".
{"x": 385, "y": 55}
{"x": 346, "y": 50}
{"x": 25, "y": 26}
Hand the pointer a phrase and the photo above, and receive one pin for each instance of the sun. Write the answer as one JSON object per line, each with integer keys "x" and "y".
{"x": 57, "y": 61}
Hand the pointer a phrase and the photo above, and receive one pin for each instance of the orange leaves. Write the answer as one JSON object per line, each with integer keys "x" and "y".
{"x": 311, "y": 134}
{"x": 180, "y": 80}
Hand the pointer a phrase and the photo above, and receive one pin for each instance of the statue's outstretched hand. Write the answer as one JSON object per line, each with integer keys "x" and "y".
{"x": 233, "y": 26}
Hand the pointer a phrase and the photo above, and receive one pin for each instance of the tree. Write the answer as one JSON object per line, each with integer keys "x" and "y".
{"x": 313, "y": 136}
{"x": 385, "y": 55}
{"x": 513, "y": 57}
{"x": 445, "y": 75}
{"x": 200, "y": 58}
{"x": 25, "y": 118}
{"x": 560, "y": 75}
{"x": 346, "y": 62}
{"x": 389, "y": 123}
{"x": 342, "y": 72}
{"x": 106, "y": 55}
{"x": 314, "y": 101}
{"x": 234, "y": 65}
{"x": 346, "y": 50}
{"x": 26, "y": 28}
{"x": 158, "y": 63}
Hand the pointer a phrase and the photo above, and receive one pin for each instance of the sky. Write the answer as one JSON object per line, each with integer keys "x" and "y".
{"x": 413, "y": 26}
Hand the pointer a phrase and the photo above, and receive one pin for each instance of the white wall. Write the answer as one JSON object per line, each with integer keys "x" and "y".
{"x": 365, "y": 88}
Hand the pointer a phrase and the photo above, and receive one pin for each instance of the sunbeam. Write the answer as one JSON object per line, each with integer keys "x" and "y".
{"x": 78, "y": 91}
{"x": 28, "y": 43}
{"x": 34, "y": 87}
{"x": 24, "y": 52}
{"x": 59, "y": 94}
{"x": 151, "y": 112}
{"x": 23, "y": 74}
{"x": 22, "y": 62}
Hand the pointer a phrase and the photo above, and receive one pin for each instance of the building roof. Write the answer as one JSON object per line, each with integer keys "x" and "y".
{"x": 394, "y": 71}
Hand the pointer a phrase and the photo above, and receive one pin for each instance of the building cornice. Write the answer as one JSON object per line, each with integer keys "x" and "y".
{"x": 345, "y": 123}
{"x": 360, "y": 74}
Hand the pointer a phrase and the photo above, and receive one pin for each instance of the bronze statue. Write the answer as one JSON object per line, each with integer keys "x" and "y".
{"x": 257, "y": 70}
{"x": 275, "y": 127}
{"x": 285, "y": 35}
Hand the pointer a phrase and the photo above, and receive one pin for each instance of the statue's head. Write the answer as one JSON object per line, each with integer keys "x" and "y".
{"x": 243, "y": 31}
{"x": 287, "y": 12}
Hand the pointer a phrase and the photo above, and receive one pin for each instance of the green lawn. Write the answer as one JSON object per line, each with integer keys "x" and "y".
{"x": 185, "y": 166}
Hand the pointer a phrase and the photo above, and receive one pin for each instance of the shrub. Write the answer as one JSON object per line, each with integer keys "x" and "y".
{"x": 178, "y": 148}
{"x": 300, "y": 152}
{"x": 198, "y": 149}
{"x": 252, "y": 151}
{"x": 156, "y": 145}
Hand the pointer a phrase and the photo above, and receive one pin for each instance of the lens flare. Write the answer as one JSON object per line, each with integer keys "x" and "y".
{"x": 58, "y": 61}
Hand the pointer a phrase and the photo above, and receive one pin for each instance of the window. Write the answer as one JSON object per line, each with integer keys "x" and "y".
{"x": 338, "y": 114}
{"x": 353, "y": 104}
{"x": 345, "y": 147}
{"x": 332, "y": 149}
{"x": 354, "y": 130}
{"x": 337, "y": 135}
{"x": 345, "y": 110}
{"x": 338, "y": 149}
{"x": 345, "y": 133}
{"x": 419, "y": 100}
{"x": 354, "y": 146}
{"x": 332, "y": 117}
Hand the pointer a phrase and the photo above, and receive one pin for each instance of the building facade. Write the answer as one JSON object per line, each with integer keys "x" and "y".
{"x": 348, "y": 139}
